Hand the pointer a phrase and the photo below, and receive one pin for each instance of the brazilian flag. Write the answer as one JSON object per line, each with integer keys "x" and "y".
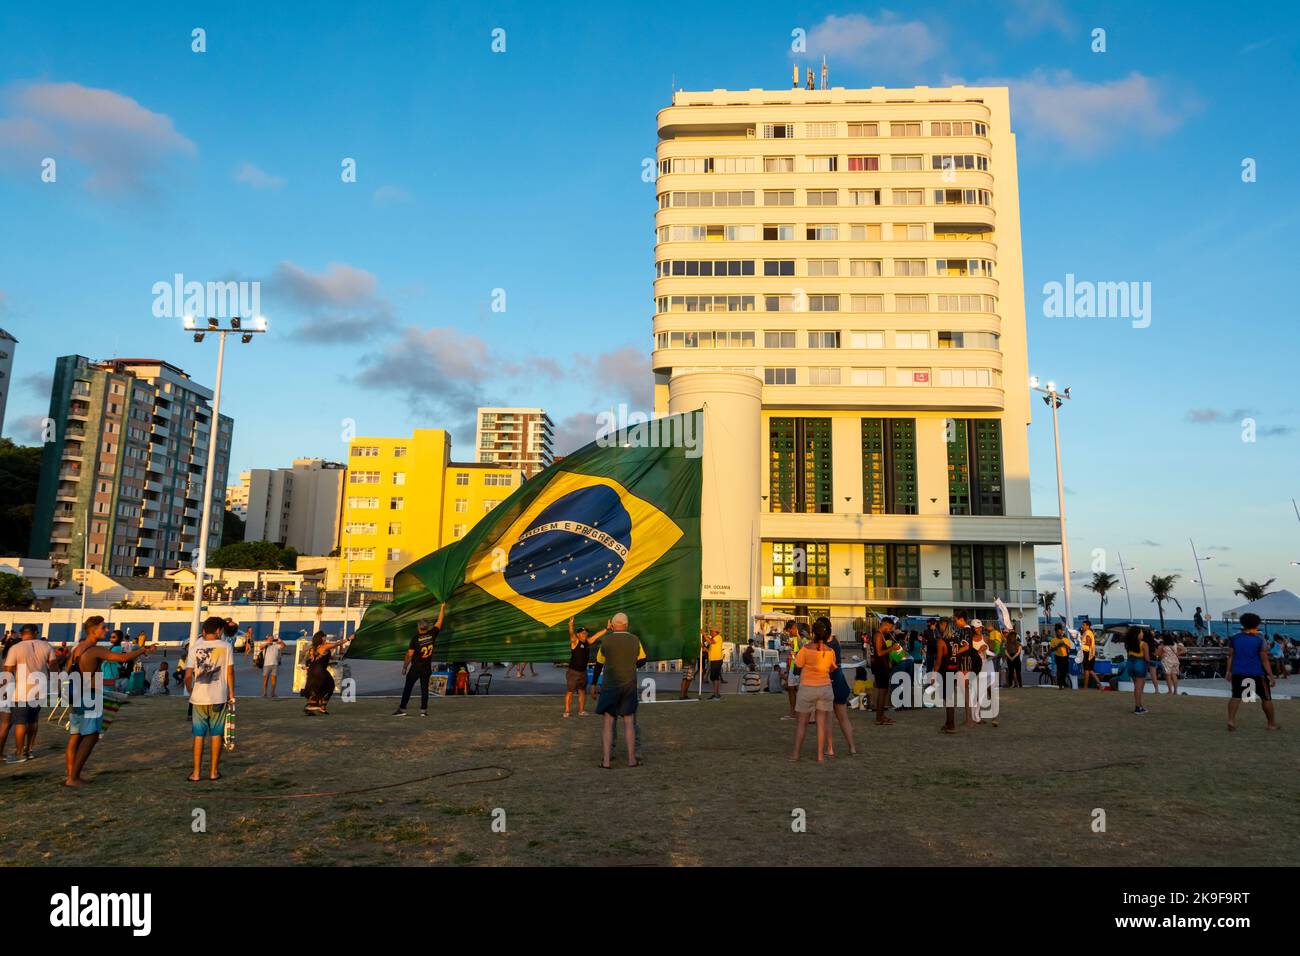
{"x": 613, "y": 527}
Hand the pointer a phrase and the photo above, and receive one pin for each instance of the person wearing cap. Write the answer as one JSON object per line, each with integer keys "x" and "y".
{"x": 418, "y": 665}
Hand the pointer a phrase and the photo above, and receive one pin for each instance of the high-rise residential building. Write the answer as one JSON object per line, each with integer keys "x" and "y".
{"x": 296, "y": 507}
{"x": 514, "y": 438}
{"x": 128, "y": 458}
{"x": 405, "y": 497}
{"x": 237, "y": 497}
{"x": 838, "y": 284}
{"x": 7, "y": 344}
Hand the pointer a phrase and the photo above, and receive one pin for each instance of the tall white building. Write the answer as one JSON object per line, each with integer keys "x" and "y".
{"x": 838, "y": 283}
{"x": 296, "y": 507}
{"x": 518, "y": 438}
{"x": 7, "y": 345}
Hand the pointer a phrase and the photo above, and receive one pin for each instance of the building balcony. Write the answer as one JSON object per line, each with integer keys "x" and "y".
{"x": 893, "y": 597}
{"x": 912, "y": 529}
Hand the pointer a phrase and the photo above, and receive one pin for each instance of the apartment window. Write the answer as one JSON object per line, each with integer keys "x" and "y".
{"x": 864, "y": 197}
{"x": 489, "y": 505}
{"x": 964, "y": 267}
{"x": 911, "y": 340}
{"x": 778, "y": 267}
{"x": 964, "y": 377}
{"x": 823, "y": 267}
{"x": 691, "y": 199}
{"x": 359, "y": 554}
{"x": 967, "y": 340}
{"x": 778, "y": 197}
{"x": 778, "y": 164}
{"x": 867, "y": 377}
{"x": 778, "y": 376}
{"x": 363, "y": 477}
{"x": 396, "y": 504}
{"x": 360, "y": 527}
{"x": 365, "y": 451}
{"x": 462, "y": 478}
{"x": 905, "y": 164}
{"x": 889, "y": 483}
{"x": 864, "y": 129}
{"x": 399, "y": 477}
{"x": 904, "y": 129}
{"x": 907, "y": 197}
{"x": 394, "y": 554}
{"x": 967, "y": 303}
{"x": 734, "y": 164}
{"x": 706, "y": 303}
{"x": 961, "y": 128}
{"x": 778, "y": 340}
{"x": 458, "y": 531}
{"x": 800, "y": 465}
{"x": 823, "y": 376}
{"x": 711, "y": 268}
{"x": 399, "y": 451}
{"x": 801, "y": 564}
{"x": 823, "y": 340}
{"x": 911, "y": 376}
{"x": 864, "y": 267}
{"x": 864, "y": 164}
{"x": 909, "y": 267}
{"x": 461, "y": 506}
{"x": 911, "y": 303}
{"x": 780, "y": 303}
{"x": 822, "y": 233}
{"x": 823, "y": 197}
{"x": 865, "y": 232}
{"x": 867, "y": 340}
{"x": 734, "y": 340}
{"x": 362, "y": 504}
{"x": 778, "y": 131}
{"x": 687, "y": 164}
{"x": 394, "y": 527}
{"x": 963, "y": 197}
{"x": 892, "y": 566}
{"x": 819, "y": 130}
{"x": 959, "y": 161}
{"x": 823, "y": 303}
{"x": 823, "y": 164}
{"x": 503, "y": 481}
{"x": 777, "y": 232}
{"x": 909, "y": 231}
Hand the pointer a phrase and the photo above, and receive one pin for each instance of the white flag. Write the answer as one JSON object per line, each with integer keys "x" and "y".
{"x": 1004, "y": 616}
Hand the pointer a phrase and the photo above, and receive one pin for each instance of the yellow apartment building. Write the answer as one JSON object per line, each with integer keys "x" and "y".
{"x": 405, "y": 497}
{"x": 838, "y": 284}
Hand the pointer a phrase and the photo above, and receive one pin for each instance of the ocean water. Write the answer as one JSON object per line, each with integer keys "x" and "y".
{"x": 1221, "y": 628}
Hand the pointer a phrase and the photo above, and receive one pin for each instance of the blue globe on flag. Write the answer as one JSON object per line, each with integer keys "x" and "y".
{"x": 573, "y": 549}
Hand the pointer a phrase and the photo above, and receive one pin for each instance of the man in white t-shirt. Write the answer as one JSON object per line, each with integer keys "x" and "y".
{"x": 210, "y": 679}
{"x": 28, "y": 668}
{"x": 271, "y": 649}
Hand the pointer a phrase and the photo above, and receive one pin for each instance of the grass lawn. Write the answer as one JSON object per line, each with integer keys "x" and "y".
{"x": 716, "y": 788}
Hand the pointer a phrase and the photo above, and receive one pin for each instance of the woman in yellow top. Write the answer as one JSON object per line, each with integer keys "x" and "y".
{"x": 815, "y": 696}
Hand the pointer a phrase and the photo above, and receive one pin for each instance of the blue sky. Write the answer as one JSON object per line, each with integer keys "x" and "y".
{"x": 521, "y": 171}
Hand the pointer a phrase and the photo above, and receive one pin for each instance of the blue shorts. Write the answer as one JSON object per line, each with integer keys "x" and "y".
{"x": 1137, "y": 667}
{"x": 209, "y": 720}
{"x": 617, "y": 701}
{"x": 81, "y": 723}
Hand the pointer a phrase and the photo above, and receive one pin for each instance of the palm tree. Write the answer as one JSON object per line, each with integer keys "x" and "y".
{"x": 1162, "y": 590}
{"x": 1252, "y": 590}
{"x": 1101, "y": 583}
{"x": 1045, "y": 600}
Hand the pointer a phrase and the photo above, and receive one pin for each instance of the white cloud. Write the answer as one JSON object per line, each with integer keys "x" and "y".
{"x": 886, "y": 44}
{"x": 340, "y": 304}
{"x": 1086, "y": 116}
{"x": 251, "y": 175}
{"x": 121, "y": 145}
{"x": 1028, "y": 17}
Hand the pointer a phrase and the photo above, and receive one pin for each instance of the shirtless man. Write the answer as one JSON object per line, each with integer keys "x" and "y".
{"x": 87, "y": 721}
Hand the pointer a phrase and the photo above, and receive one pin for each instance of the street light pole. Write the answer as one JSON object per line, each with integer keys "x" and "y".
{"x": 1053, "y": 399}
{"x": 1205, "y": 598}
{"x": 214, "y": 431}
{"x": 1127, "y": 593}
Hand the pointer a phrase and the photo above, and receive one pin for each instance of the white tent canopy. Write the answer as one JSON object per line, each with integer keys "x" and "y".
{"x": 1280, "y": 607}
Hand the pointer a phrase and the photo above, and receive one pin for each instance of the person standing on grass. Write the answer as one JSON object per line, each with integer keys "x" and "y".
{"x": 272, "y": 649}
{"x": 210, "y": 679}
{"x": 27, "y": 671}
{"x": 576, "y": 675}
{"x": 1171, "y": 653}
{"x": 418, "y": 664}
{"x": 947, "y": 673}
{"x": 840, "y": 693}
{"x": 689, "y": 669}
{"x": 1138, "y": 661}
{"x": 1088, "y": 644}
{"x": 1249, "y": 671}
{"x": 713, "y": 642}
{"x": 816, "y": 696}
{"x": 790, "y": 676}
{"x": 85, "y": 713}
{"x": 1015, "y": 653}
{"x": 618, "y": 694}
{"x": 1277, "y": 652}
{"x": 1060, "y": 647}
{"x": 882, "y": 647}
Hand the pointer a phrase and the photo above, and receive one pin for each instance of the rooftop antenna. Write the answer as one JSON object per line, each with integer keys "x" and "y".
{"x": 794, "y": 80}
{"x": 811, "y": 84}
{"x": 824, "y": 86}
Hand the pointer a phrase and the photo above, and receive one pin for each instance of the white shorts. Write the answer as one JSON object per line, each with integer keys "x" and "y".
{"x": 811, "y": 698}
